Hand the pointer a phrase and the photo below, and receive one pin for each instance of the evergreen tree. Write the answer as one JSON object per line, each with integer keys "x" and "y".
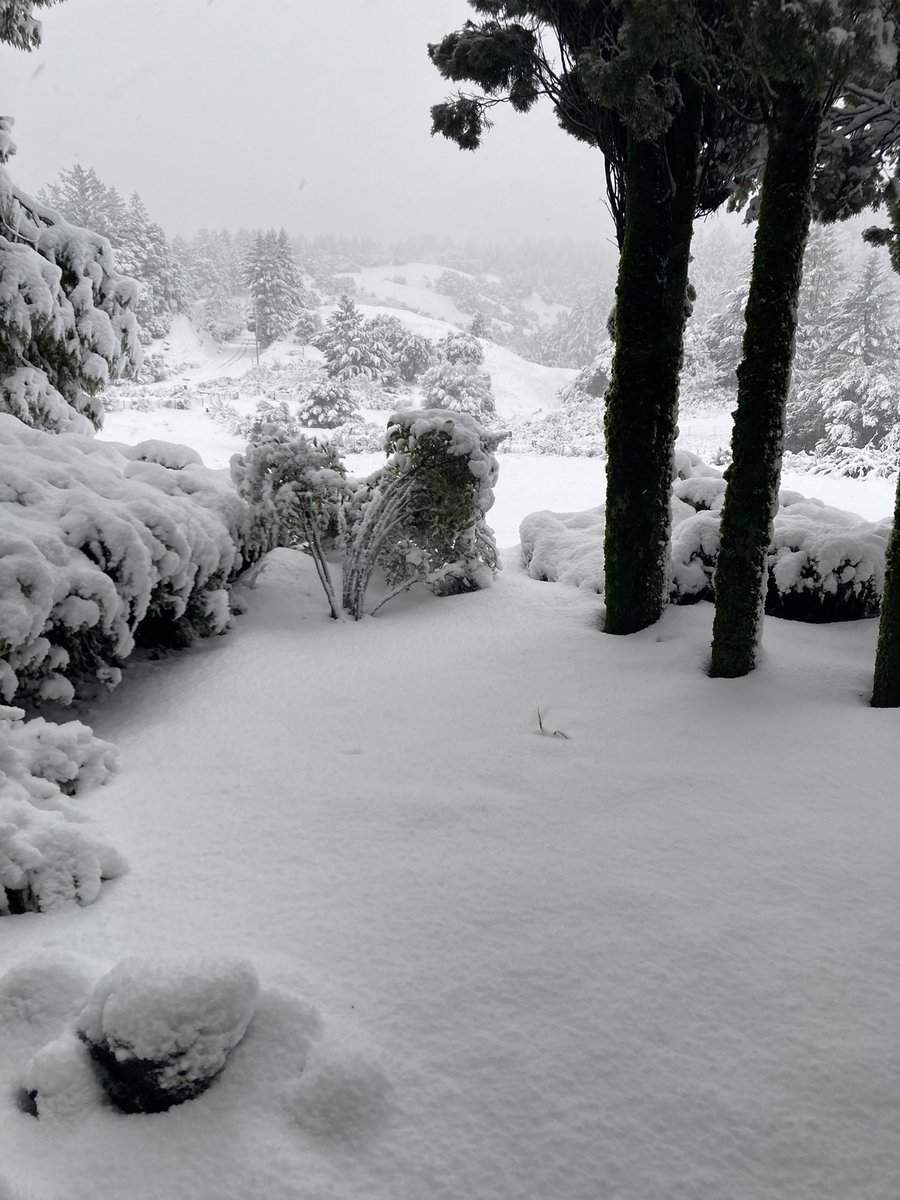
{"x": 818, "y": 326}
{"x": 80, "y": 197}
{"x": 18, "y": 25}
{"x": 149, "y": 259}
{"x": 623, "y": 76}
{"x": 276, "y": 291}
{"x": 798, "y": 50}
{"x": 860, "y": 402}
{"x": 66, "y": 316}
{"x": 350, "y": 352}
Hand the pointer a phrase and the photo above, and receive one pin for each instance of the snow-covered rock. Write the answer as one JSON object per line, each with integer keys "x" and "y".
{"x": 160, "y": 1032}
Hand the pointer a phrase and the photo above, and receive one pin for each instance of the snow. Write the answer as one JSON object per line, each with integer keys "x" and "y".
{"x": 493, "y": 963}
{"x": 197, "y": 1010}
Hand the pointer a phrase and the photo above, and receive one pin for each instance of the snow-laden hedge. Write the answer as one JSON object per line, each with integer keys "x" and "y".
{"x": 824, "y": 564}
{"x": 104, "y": 547}
{"x": 48, "y": 857}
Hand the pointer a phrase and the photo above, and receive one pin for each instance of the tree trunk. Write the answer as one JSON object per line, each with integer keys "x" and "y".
{"x": 886, "y": 693}
{"x": 642, "y": 400}
{"x": 757, "y": 443}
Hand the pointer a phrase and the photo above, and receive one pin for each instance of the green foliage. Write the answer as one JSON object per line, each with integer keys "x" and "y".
{"x": 18, "y": 25}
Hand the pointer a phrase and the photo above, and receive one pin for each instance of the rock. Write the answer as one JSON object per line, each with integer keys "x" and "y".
{"x": 159, "y": 1032}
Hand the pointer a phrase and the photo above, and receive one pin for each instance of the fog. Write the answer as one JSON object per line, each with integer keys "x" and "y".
{"x": 310, "y": 116}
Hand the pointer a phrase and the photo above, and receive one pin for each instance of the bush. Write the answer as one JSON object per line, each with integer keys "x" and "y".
{"x": 48, "y": 858}
{"x": 272, "y": 418}
{"x": 460, "y": 387}
{"x": 423, "y": 518}
{"x": 103, "y": 547}
{"x": 823, "y": 564}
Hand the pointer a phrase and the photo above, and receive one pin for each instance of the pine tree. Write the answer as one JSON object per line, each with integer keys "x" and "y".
{"x": 66, "y": 315}
{"x": 623, "y": 76}
{"x": 349, "y": 349}
{"x": 84, "y": 200}
{"x": 276, "y": 291}
{"x": 860, "y": 402}
{"x": 18, "y": 25}
{"x": 150, "y": 261}
{"x": 799, "y": 50}
{"x": 818, "y": 325}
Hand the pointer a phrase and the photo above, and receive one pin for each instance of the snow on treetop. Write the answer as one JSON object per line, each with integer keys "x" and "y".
{"x": 466, "y": 438}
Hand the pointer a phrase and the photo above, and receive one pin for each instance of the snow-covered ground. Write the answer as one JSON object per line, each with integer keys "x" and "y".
{"x": 652, "y": 959}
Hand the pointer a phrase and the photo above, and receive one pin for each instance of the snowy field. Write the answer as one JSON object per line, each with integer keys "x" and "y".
{"x": 652, "y": 959}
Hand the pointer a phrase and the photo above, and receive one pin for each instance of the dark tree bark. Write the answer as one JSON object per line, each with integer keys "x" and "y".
{"x": 751, "y": 499}
{"x": 642, "y": 400}
{"x": 886, "y": 693}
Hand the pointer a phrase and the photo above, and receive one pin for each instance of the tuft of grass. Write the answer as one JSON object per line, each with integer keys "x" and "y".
{"x": 549, "y": 732}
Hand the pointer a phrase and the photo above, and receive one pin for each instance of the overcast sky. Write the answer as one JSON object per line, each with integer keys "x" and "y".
{"x": 311, "y": 114}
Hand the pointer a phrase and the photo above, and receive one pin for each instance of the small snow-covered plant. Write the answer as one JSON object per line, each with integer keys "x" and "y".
{"x": 294, "y": 489}
{"x": 424, "y": 515}
{"x": 48, "y": 858}
{"x": 460, "y": 387}
{"x": 273, "y": 418}
{"x": 357, "y": 437}
{"x": 327, "y": 404}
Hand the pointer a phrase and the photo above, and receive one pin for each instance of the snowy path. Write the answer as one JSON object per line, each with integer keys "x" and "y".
{"x": 655, "y": 961}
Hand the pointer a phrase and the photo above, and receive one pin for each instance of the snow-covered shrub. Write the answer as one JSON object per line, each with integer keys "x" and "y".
{"x": 160, "y": 1032}
{"x": 850, "y": 462}
{"x": 461, "y": 348}
{"x": 327, "y": 404}
{"x": 308, "y": 327}
{"x": 48, "y": 858}
{"x": 575, "y": 430}
{"x": 823, "y": 564}
{"x": 154, "y": 369}
{"x": 424, "y": 516}
{"x": 66, "y": 315}
{"x": 272, "y": 418}
{"x": 460, "y": 387}
{"x": 357, "y": 437}
{"x": 103, "y": 547}
{"x": 223, "y": 413}
{"x": 295, "y": 491}
{"x": 408, "y": 354}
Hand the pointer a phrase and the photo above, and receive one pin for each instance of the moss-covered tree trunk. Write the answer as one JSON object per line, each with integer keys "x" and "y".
{"x": 886, "y": 693}
{"x": 642, "y": 400}
{"x": 757, "y": 443}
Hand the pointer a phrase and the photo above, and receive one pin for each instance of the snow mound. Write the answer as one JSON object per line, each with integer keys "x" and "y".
{"x": 162, "y": 1031}
{"x": 341, "y": 1098}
